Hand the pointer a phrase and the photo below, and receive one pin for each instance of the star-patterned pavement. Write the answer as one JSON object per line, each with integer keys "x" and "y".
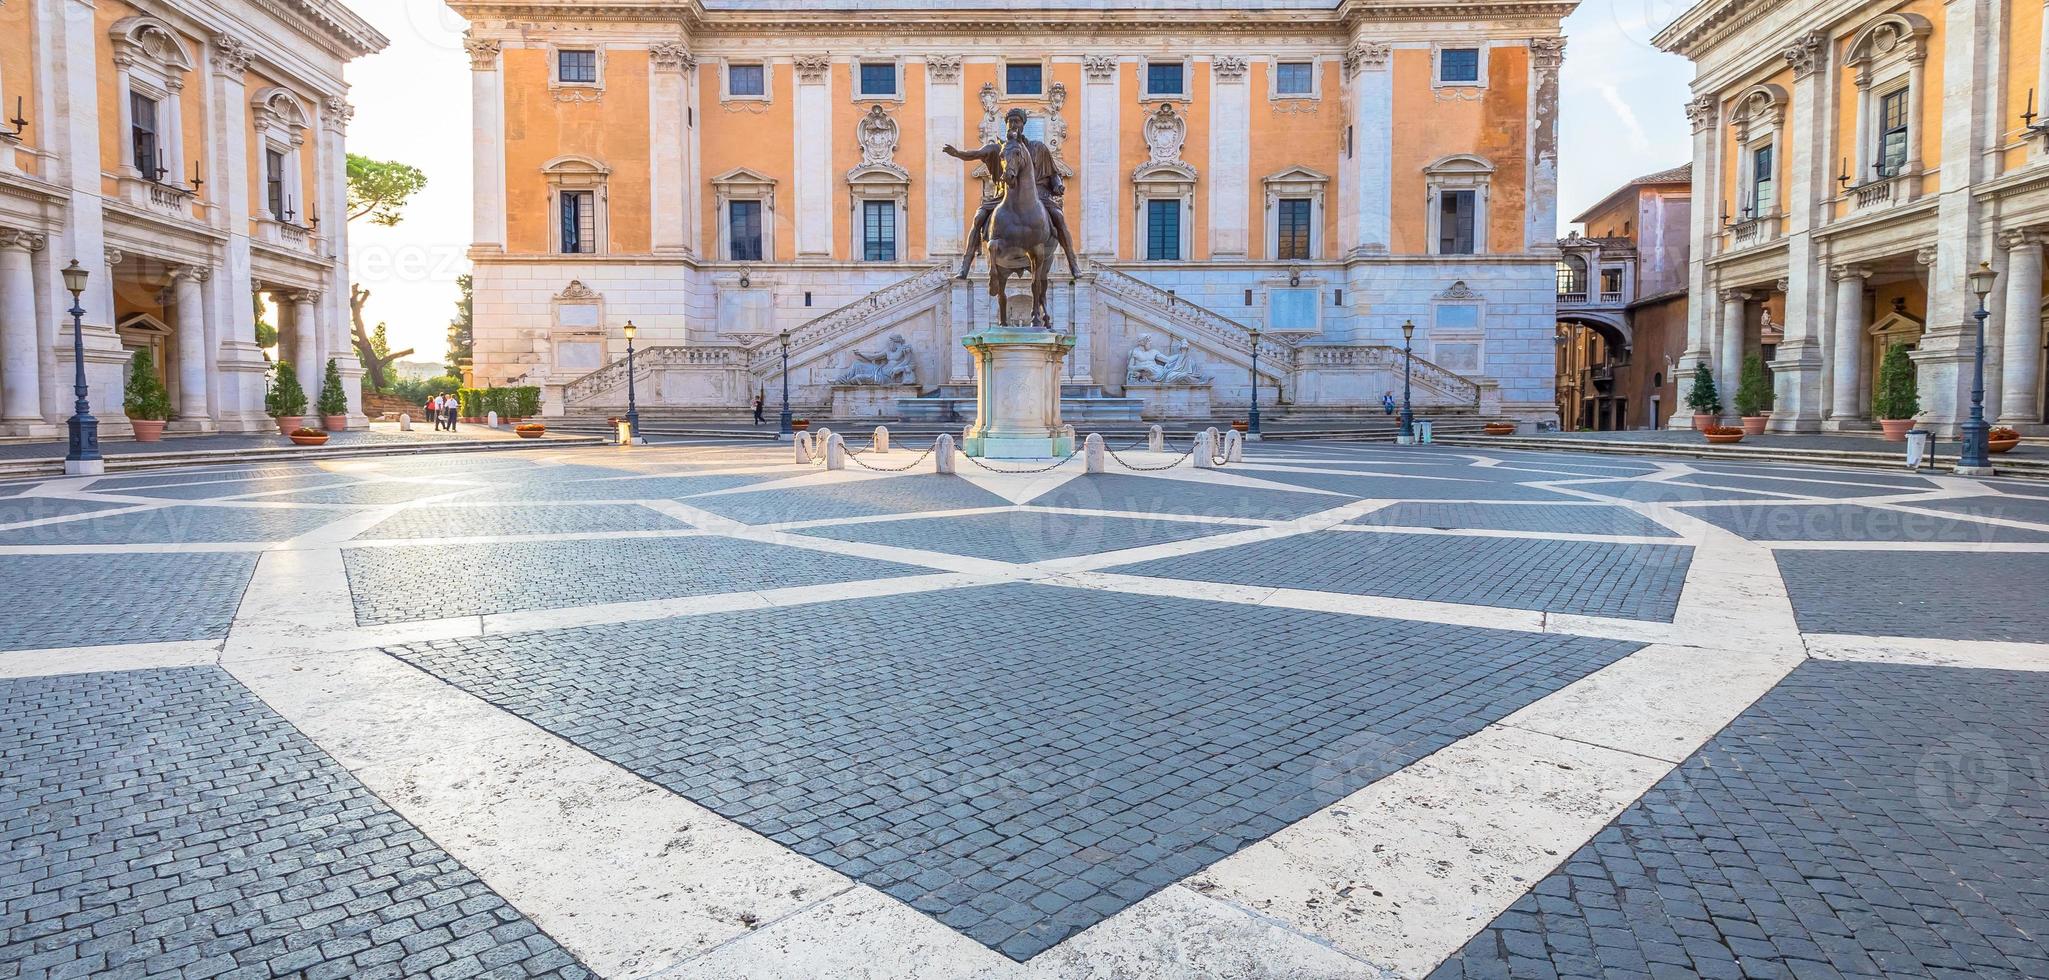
{"x": 1339, "y": 710}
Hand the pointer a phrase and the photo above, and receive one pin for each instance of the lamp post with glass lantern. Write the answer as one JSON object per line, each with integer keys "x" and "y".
{"x": 632, "y": 404}
{"x": 1408, "y": 417}
{"x": 1252, "y": 414}
{"x": 82, "y": 456}
{"x": 1975, "y": 460}
{"x": 786, "y": 432}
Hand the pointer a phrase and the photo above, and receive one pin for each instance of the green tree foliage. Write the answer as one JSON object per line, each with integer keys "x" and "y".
{"x": 379, "y": 189}
{"x": 334, "y": 399}
{"x": 1899, "y": 392}
{"x": 266, "y": 335}
{"x": 285, "y": 398}
{"x": 1704, "y": 397}
{"x": 145, "y": 397}
{"x": 1754, "y": 390}
{"x": 461, "y": 338}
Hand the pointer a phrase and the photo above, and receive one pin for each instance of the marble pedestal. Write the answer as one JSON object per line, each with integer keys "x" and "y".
{"x": 1182, "y": 401}
{"x": 1017, "y": 393}
{"x": 868, "y": 401}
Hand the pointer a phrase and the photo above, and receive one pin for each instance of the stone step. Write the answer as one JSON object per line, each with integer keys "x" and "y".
{"x": 1895, "y": 458}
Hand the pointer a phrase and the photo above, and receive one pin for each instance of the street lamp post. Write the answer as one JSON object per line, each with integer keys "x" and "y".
{"x": 632, "y": 404}
{"x": 785, "y": 431}
{"x": 1975, "y": 459}
{"x": 1252, "y": 414}
{"x": 82, "y": 457}
{"x": 1408, "y": 417}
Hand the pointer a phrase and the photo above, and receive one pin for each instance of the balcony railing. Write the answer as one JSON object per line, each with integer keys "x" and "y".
{"x": 1572, "y": 299}
{"x": 1877, "y": 193}
{"x": 1611, "y": 296}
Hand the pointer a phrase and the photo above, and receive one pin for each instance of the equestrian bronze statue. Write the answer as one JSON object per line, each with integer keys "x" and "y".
{"x": 1021, "y": 225}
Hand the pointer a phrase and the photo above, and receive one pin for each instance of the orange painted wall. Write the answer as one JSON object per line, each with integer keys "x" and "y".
{"x": 1195, "y": 151}
{"x": 755, "y": 135}
{"x": 307, "y": 202}
{"x": 909, "y": 114}
{"x": 1430, "y": 125}
{"x": 18, "y": 29}
{"x": 1295, "y": 133}
{"x": 612, "y": 130}
{"x": 2023, "y": 53}
{"x": 1070, "y": 152}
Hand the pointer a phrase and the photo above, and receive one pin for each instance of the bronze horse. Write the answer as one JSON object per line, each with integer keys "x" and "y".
{"x": 1020, "y": 235}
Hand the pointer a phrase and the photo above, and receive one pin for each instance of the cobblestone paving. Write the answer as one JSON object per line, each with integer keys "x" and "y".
{"x": 2034, "y": 510}
{"x": 123, "y": 484}
{"x": 638, "y": 488}
{"x": 206, "y": 837}
{"x": 1901, "y": 480}
{"x": 220, "y": 489}
{"x": 1555, "y": 519}
{"x": 176, "y": 525}
{"x": 456, "y": 521}
{"x": 402, "y": 583}
{"x": 858, "y": 498}
{"x": 1142, "y": 495}
{"x": 1854, "y": 522}
{"x": 14, "y": 510}
{"x": 1629, "y": 581}
{"x": 1400, "y": 489}
{"x": 88, "y": 600}
{"x": 1859, "y": 821}
{"x": 1019, "y": 536}
{"x": 1671, "y": 492}
{"x": 1807, "y": 488}
{"x": 1025, "y": 779}
{"x": 371, "y": 494}
{"x": 1942, "y": 594}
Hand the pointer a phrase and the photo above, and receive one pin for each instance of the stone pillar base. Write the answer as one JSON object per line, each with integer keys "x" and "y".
{"x": 1017, "y": 393}
{"x": 198, "y": 426}
{"x": 1849, "y": 425}
{"x": 30, "y": 428}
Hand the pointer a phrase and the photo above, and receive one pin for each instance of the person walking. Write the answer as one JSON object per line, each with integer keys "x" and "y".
{"x": 1387, "y": 403}
{"x": 434, "y": 411}
{"x": 760, "y": 400}
{"x": 451, "y": 408}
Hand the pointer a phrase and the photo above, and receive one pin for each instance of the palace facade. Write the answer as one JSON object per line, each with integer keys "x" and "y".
{"x": 1853, "y": 161}
{"x": 1622, "y": 305}
{"x": 190, "y": 157}
{"x": 718, "y": 173}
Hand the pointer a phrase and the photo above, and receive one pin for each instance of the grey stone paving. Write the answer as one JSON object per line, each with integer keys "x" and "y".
{"x": 2034, "y": 510}
{"x": 1549, "y": 518}
{"x": 859, "y": 498}
{"x": 2020, "y": 488}
{"x": 1860, "y": 821}
{"x": 518, "y": 488}
{"x": 217, "y": 489}
{"x": 1838, "y": 474}
{"x": 457, "y": 521}
{"x": 1022, "y": 780}
{"x": 1854, "y": 522}
{"x": 1958, "y": 596}
{"x": 160, "y": 478}
{"x": 402, "y": 583}
{"x": 88, "y": 600}
{"x": 204, "y": 836}
{"x": 1671, "y": 492}
{"x": 1629, "y": 581}
{"x": 177, "y": 525}
{"x": 1145, "y": 495}
{"x": 371, "y": 494}
{"x": 14, "y": 510}
{"x": 1796, "y": 485}
{"x": 1020, "y": 536}
{"x": 1466, "y": 487}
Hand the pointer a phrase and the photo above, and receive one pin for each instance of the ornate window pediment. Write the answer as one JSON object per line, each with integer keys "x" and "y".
{"x": 1758, "y": 111}
{"x": 1898, "y": 35}
{"x": 149, "y": 41}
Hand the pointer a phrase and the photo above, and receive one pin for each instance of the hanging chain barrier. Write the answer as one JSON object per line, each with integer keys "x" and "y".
{"x": 1062, "y": 461}
{"x": 1178, "y": 460}
{"x": 856, "y": 457}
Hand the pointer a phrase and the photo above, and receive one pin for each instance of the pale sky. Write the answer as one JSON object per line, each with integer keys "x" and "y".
{"x": 1621, "y": 118}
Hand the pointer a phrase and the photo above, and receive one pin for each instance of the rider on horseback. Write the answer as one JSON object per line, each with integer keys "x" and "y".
{"x": 1051, "y": 188}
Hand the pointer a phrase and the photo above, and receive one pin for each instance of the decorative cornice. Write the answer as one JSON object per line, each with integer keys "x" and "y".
{"x": 1842, "y": 272}
{"x": 937, "y": 17}
{"x": 576, "y": 291}
{"x": 1367, "y": 56}
{"x": 812, "y": 67}
{"x": 1927, "y": 255}
{"x": 670, "y": 56}
{"x": 113, "y": 256}
{"x": 1806, "y": 54}
{"x": 1700, "y": 111}
{"x": 338, "y": 113}
{"x": 196, "y": 273}
{"x": 943, "y": 68}
{"x": 231, "y": 55}
{"x": 1229, "y": 67}
{"x": 1547, "y": 53}
{"x": 483, "y": 53}
{"x": 27, "y": 241}
{"x": 1100, "y": 67}
{"x": 2014, "y": 238}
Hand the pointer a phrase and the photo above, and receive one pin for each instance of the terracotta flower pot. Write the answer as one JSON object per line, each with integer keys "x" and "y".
{"x": 1753, "y": 425}
{"x": 1895, "y": 429}
{"x": 1723, "y": 438}
{"x": 334, "y": 423}
{"x": 800, "y": 425}
{"x": 2002, "y": 445}
{"x": 1500, "y": 428}
{"x": 302, "y": 439}
{"x": 1241, "y": 426}
{"x": 286, "y": 423}
{"x": 1702, "y": 420}
{"x": 147, "y": 430}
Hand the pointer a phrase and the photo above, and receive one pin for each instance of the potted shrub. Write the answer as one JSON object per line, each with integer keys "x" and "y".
{"x": 2002, "y": 438}
{"x": 307, "y": 437}
{"x": 1500, "y": 428}
{"x": 145, "y": 401}
{"x": 1240, "y": 425}
{"x": 1754, "y": 396}
{"x": 1723, "y": 434}
{"x": 799, "y": 425}
{"x": 530, "y": 430}
{"x": 1898, "y": 398}
{"x": 1704, "y": 399}
{"x": 334, "y": 400}
{"x": 286, "y": 401}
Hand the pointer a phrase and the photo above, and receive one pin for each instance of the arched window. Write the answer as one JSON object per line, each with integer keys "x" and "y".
{"x": 576, "y": 198}
{"x": 1889, "y": 55}
{"x": 1458, "y": 187}
{"x": 281, "y": 121}
{"x": 153, "y": 62}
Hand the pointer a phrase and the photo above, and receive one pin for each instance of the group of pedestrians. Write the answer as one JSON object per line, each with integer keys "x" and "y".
{"x": 443, "y": 409}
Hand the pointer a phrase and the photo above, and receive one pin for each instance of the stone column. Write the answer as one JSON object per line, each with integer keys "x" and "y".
{"x": 337, "y": 336}
{"x": 1704, "y": 236}
{"x": 21, "y": 408}
{"x": 1847, "y": 410}
{"x": 814, "y": 170}
{"x": 240, "y": 367}
{"x": 1230, "y": 158}
{"x": 667, "y": 61}
{"x": 945, "y": 224}
{"x": 188, "y": 309}
{"x": 487, "y": 119}
{"x": 1729, "y": 353}
{"x": 1365, "y": 171}
{"x": 1100, "y": 180}
{"x": 1797, "y": 367}
{"x": 1540, "y": 218}
{"x": 306, "y": 343}
{"x": 2021, "y": 354}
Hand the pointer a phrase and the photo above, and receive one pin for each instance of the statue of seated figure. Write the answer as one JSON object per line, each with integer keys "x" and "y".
{"x": 895, "y": 364}
{"x": 1180, "y": 367}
